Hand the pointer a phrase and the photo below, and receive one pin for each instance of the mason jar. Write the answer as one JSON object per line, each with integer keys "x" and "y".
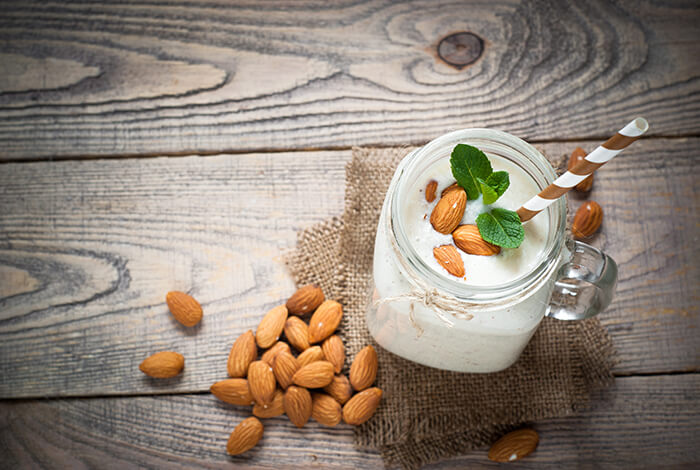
{"x": 425, "y": 316}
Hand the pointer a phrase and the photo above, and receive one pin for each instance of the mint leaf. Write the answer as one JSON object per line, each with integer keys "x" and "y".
{"x": 468, "y": 164}
{"x": 501, "y": 227}
{"x": 490, "y": 194}
{"x": 499, "y": 181}
{"x": 494, "y": 186}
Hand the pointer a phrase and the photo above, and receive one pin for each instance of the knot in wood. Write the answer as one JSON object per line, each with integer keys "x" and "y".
{"x": 460, "y": 49}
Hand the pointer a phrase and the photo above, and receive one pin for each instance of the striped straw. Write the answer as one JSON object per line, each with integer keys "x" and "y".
{"x": 582, "y": 169}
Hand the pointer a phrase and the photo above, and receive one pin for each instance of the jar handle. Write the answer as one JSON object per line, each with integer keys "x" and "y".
{"x": 584, "y": 285}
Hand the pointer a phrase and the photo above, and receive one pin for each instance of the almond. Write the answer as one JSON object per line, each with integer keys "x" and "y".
{"x": 234, "y": 391}
{"x": 334, "y": 352}
{"x": 284, "y": 367}
{"x": 451, "y": 187}
{"x": 313, "y": 354}
{"x": 276, "y": 408}
{"x": 514, "y": 445}
{"x": 315, "y": 375}
{"x": 324, "y": 321}
{"x": 468, "y": 239}
{"x": 305, "y": 300}
{"x": 246, "y": 435}
{"x": 430, "y": 190}
{"x": 261, "y": 382}
{"x": 184, "y": 308}
{"x": 339, "y": 388}
{"x": 362, "y": 406}
{"x": 587, "y": 220}
{"x": 449, "y": 258}
{"x": 163, "y": 365}
{"x": 449, "y": 210}
{"x": 363, "y": 370}
{"x": 243, "y": 352}
{"x": 297, "y": 333}
{"x": 270, "y": 354}
{"x": 298, "y": 405}
{"x": 576, "y": 156}
{"x": 325, "y": 409}
{"x": 271, "y": 326}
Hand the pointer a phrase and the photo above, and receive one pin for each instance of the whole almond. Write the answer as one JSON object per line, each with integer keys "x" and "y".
{"x": 362, "y": 406}
{"x": 246, "y": 435}
{"x": 184, "y": 308}
{"x": 315, "y": 375}
{"x": 163, "y": 365}
{"x": 305, "y": 300}
{"x": 271, "y": 326}
{"x": 449, "y": 210}
{"x": 325, "y": 409}
{"x": 451, "y": 187}
{"x": 587, "y": 220}
{"x": 234, "y": 391}
{"x": 334, "y": 352}
{"x": 276, "y": 408}
{"x": 313, "y": 354}
{"x": 576, "y": 156}
{"x": 363, "y": 370}
{"x": 284, "y": 367}
{"x": 261, "y": 382}
{"x": 430, "y": 190}
{"x": 339, "y": 388}
{"x": 324, "y": 321}
{"x": 514, "y": 445}
{"x": 269, "y": 355}
{"x": 449, "y": 258}
{"x": 468, "y": 239}
{"x": 297, "y": 333}
{"x": 298, "y": 405}
{"x": 243, "y": 352}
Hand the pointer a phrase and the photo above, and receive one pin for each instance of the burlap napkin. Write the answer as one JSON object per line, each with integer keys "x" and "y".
{"x": 428, "y": 414}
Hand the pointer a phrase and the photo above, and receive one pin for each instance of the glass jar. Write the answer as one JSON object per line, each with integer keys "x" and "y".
{"x": 426, "y": 317}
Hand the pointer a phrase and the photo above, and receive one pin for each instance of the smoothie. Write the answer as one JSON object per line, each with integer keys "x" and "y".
{"x": 519, "y": 280}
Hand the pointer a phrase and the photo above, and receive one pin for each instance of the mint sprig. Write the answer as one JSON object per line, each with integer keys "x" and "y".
{"x": 501, "y": 227}
{"x": 468, "y": 165}
{"x": 472, "y": 170}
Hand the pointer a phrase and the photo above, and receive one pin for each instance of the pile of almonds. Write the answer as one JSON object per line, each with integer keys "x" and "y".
{"x": 590, "y": 215}
{"x": 308, "y": 385}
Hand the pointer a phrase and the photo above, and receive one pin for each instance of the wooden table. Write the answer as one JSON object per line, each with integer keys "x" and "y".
{"x": 160, "y": 146}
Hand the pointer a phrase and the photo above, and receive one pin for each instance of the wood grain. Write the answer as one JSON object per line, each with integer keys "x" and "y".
{"x": 191, "y": 431}
{"x": 165, "y": 78}
{"x": 89, "y": 249}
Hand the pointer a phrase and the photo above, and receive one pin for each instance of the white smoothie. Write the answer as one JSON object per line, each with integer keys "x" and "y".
{"x": 509, "y": 264}
{"x": 496, "y": 334}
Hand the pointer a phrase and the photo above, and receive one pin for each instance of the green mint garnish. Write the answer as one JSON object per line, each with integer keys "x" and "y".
{"x": 494, "y": 186}
{"x": 468, "y": 164}
{"x": 501, "y": 227}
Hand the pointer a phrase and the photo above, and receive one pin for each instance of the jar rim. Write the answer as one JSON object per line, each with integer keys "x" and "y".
{"x": 557, "y": 213}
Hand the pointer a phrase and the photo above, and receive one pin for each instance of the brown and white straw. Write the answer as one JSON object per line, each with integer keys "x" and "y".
{"x": 585, "y": 167}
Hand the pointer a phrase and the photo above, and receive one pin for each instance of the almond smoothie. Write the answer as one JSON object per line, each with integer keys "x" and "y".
{"x": 505, "y": 296}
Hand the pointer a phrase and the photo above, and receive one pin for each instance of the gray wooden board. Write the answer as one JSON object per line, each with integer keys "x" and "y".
{"x": 640, "y": 422}
{"x": 130, "y": 79}
{"x": 88, "y": 250}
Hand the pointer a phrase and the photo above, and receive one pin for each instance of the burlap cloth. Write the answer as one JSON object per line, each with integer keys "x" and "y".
{"x": 428, "y": 414}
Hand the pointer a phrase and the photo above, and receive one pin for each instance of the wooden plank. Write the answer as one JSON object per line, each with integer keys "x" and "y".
{"x": 89, "y": 249}
{"x": 164, "y": 78}
{"x": 649, "y": 422}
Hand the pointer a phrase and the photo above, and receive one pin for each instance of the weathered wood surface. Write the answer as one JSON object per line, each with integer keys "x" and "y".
{"x": 88, "y": 250}
{"x": 641, "y": 422}
{"x": 165, "y": 78}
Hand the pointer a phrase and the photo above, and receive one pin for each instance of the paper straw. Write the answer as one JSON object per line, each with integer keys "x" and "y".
{"x": 584, "y": 168}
